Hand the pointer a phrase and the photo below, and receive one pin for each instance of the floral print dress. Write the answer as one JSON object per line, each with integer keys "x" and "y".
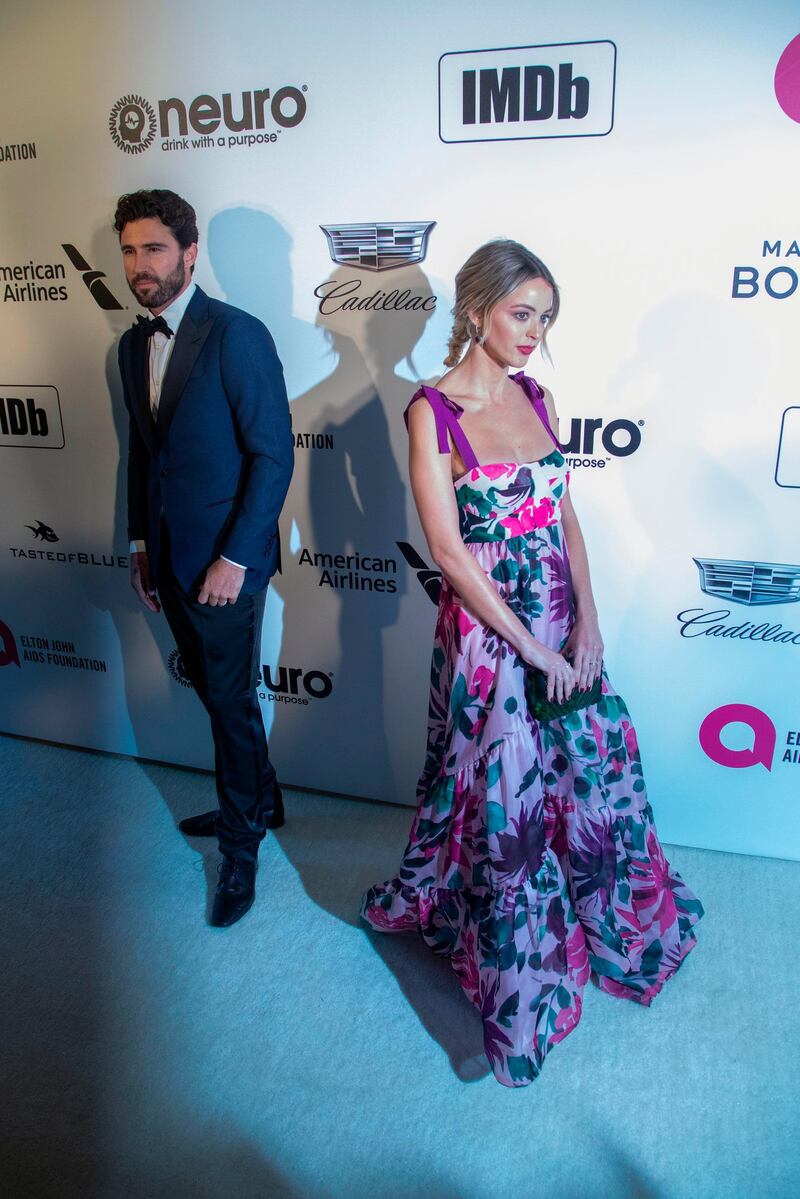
{"x": 533, "y": 861}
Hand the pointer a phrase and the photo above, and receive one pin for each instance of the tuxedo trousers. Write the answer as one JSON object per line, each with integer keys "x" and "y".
{"x": 220, "y": 648}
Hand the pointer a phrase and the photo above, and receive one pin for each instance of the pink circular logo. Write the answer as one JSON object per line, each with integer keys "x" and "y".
{"x": 764, "y": 736}
{"x": 787, "y": 79}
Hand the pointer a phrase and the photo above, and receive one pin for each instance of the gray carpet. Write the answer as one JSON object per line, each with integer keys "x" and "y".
{"x": 297, "y": 1054}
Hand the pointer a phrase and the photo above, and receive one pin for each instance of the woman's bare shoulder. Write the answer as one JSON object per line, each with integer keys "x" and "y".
{"x": 420, "y": 417}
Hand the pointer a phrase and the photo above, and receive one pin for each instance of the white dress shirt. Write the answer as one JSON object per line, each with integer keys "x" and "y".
{"x": 161, "y": 345}
{"x": 160, "y": 351}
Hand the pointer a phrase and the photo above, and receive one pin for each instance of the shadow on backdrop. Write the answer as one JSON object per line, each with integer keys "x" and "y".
{"x": 355, "y": 496}
{"x": 351, "y": 499}
{"x": 250, "y": 254}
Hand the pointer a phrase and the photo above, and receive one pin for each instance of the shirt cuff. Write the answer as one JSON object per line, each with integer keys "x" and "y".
{"x": 224, "y": 559}
{"x": 138, "y": 547}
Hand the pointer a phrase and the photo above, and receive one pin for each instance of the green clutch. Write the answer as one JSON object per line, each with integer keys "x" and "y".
{"x": 542, "y": 708}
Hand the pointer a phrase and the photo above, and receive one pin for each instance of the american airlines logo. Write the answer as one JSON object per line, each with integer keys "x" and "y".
{"x": 93, "y": 280}
{"x": 563, "y": 90}
{"x": 749, "y": 582}
{"x": 378, "y": 246}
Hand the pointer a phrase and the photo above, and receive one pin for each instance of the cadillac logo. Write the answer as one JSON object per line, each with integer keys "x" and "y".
{"x": 374, "y": 246}
{"x": 749, "y": 582}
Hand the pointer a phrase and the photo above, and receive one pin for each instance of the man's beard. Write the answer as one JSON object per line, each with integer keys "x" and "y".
{"x": 166, "y": 290}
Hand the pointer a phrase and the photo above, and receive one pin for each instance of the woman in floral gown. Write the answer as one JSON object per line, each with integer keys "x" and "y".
{"x": 533, "y": 861}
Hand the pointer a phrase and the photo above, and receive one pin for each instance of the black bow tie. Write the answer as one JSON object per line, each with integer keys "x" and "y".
{"x": 156, "y": 325}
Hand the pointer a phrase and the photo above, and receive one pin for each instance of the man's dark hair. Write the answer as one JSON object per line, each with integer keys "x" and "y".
{"x": 177, "y": 214}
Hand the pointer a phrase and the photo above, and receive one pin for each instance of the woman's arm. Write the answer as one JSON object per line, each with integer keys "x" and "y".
{"x": 432, "y": 485}
{"x": 585, "y": 645}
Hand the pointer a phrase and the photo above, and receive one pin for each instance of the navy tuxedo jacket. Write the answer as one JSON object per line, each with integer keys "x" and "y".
{"x": 216, "y": 464}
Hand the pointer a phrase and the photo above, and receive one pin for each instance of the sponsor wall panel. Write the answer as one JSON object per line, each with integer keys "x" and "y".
{"x": 338, "y": 209}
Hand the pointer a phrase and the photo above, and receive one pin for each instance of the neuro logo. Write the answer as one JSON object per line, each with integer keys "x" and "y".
{"x": 177, "y": 669}
{"x": 561, "y": 90}
{"x": 8, "y": 647}
{"x": 132, "y": 124}
{"x": 374, "y": 246}
{"x": 284, "y": 686}
{"x": 620, "y": 438}
{"x": 430, "y": 580}
{"x": 787, "y": 463}
{"x": 787, "y": 80}
{"x": 749, "y": 582}
{"x": 762, "y": 750}
{"x": 42, "y": 531}
{"x": 93, "y": 280}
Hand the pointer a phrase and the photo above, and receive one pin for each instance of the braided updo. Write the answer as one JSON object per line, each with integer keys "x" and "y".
{"x": 488, "y": 275}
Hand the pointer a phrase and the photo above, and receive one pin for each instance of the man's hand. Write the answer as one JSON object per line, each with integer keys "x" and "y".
{"x": 222, "y": 584}
{"x": 142, "y": 583}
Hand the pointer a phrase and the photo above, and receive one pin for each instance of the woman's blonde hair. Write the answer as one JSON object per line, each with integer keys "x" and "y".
{"x": 488, "y": 275}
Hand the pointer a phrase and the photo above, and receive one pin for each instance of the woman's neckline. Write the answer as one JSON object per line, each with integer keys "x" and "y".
{"x": 486, "y": 465}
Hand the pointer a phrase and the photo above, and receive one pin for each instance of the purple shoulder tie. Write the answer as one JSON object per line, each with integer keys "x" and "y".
{"x": 447, "y": 414}
{"x": 536, "y": 396}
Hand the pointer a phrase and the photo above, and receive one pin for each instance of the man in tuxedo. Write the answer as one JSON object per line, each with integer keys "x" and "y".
{"x": 210, "y": 457}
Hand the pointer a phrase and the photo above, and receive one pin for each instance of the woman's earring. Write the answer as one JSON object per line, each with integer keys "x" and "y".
{"x": 477, "y": 335}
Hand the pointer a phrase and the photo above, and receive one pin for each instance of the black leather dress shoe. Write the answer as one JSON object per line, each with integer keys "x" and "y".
{"x": 236, "y": 891}
{"x": 205, "y": 825}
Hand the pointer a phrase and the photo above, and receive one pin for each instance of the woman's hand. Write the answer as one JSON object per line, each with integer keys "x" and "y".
{"x": 585, "y": 650}
{"x": 561, "y": 677}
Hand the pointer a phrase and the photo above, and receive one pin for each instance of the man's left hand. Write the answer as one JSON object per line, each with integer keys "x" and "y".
{"x": 222, "y": 584}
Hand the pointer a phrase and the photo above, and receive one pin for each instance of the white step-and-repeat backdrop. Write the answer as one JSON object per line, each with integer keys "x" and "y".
{"x": 344, "y": 161}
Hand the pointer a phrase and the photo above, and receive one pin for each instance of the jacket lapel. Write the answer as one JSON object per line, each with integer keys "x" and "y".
{"x": 135, "y": 362}
{"x": 189, "y": 341}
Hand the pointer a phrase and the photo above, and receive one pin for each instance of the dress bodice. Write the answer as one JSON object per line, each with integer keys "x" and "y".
{"x": 501, "y": 500}
{"x": 511, "y": 499}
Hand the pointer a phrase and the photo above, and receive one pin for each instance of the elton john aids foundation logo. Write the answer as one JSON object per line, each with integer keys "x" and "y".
{"x": 132, "y": 124}
{"x": 9, "y": 654}
{"x": 787, "y": 80}
{"x": 761, "y": 751}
